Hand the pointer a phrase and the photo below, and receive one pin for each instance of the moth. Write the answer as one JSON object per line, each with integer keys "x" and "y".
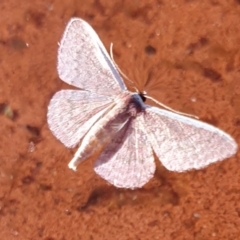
{"x": 104, "y": 116}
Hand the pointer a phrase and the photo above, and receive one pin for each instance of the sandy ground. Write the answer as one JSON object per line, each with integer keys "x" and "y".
{"x": 183, "y": 53}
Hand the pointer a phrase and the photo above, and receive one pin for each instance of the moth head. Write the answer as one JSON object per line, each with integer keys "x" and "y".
{"x": 143, "y": 95}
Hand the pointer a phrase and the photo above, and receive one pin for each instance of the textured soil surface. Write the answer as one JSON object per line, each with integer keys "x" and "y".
{"x": 184, "y": 53}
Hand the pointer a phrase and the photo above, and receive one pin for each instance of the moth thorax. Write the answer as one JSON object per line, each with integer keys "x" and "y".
{"x": 135, "y": 105}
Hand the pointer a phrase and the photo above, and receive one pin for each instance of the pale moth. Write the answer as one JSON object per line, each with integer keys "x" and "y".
{"x": 105, "y": 115}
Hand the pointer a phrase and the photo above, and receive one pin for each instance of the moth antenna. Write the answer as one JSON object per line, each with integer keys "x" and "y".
{"x": 170, "y": 109}
{"x": 136, "y": 90}
{"x": 151, "y": 98}
{"x": 120, "y": 71}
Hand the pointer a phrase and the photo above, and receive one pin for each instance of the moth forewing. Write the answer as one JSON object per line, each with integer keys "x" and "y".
{"x": 84, "y": 63}
{"x": 71, "y": 113}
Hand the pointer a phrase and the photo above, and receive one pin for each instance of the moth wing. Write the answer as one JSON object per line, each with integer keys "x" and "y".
{"x": 127, "y": 162}
{"x": 183, "y": 143}
{"x": 84, "y": 62}
{"x": 71, "y": 113}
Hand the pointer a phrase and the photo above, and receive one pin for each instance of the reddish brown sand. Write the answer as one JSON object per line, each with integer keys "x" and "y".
{"x": 184, "y": 53}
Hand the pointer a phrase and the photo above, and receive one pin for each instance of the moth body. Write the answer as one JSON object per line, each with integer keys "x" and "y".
{"x": 125, "y": 106}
